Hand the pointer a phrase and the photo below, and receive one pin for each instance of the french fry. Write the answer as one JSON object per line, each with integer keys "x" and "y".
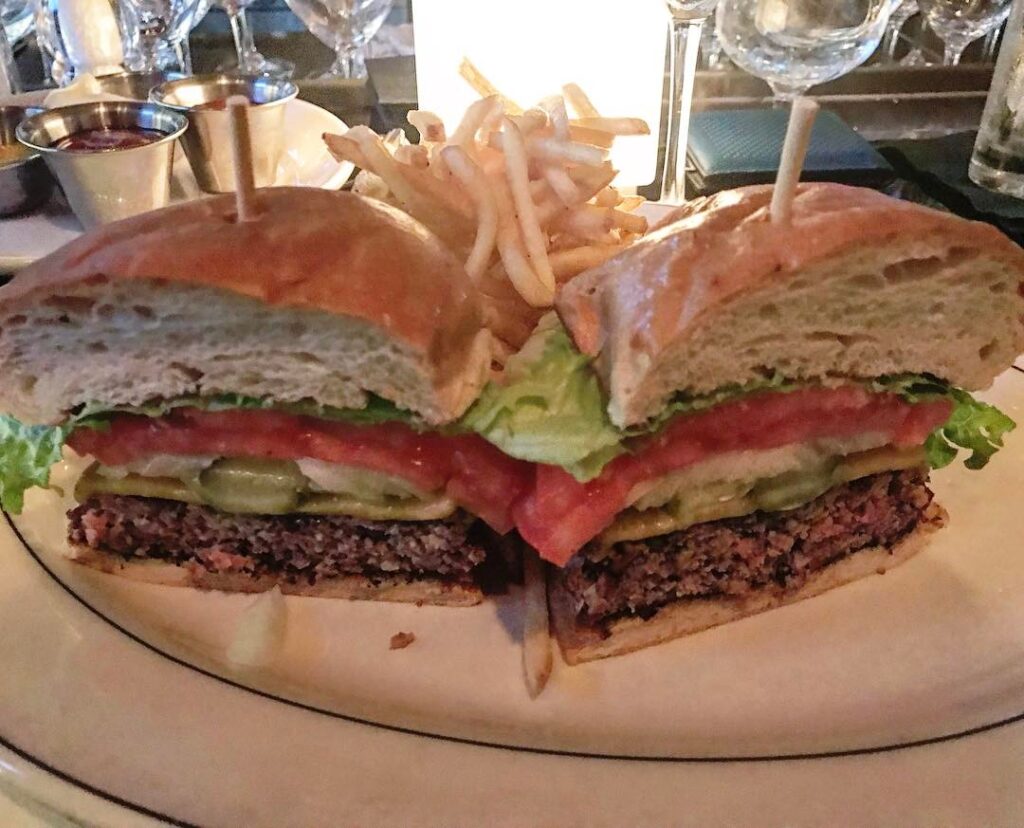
{"x": 564, "y": 187}
{"x": 530, "y": 121}
{"x": 517, "y": 265}
{"x": 415, "y": 155}
{"x": 537, "y": 657}
{"x": 615, "y": 126}
{"x": 478, "y": 112}
{"x": 551, "y": 149}
{"x": 586, "y": 221}
{"x": 436, "y": 213}
{"x": 631, "y": 203}
{"x": 518, "y": 176}
{"x": 472, "y": 178}
{"x": 608, "y": 197}
{"x": 630, "y": 222}
{"x": 343, "y": 148}
{"x": 579, "y": 101}
{"x": 594, "y": 137}
{"x": 394, "y": 139}
{"x": 554, "y": 106}
{"x": 370, "y": 185}
{"x": 567, "y": 264}
{"x": 475, "y": 78}
{"x": 429, "y": 125}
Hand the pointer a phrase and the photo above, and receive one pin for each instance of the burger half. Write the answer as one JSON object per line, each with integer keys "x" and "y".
{"x": 265, "y": 402}
{"x": 733, "y": 415}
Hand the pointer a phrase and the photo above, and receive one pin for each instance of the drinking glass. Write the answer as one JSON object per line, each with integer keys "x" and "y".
{"x": 998, "y": 158}
{"x": 960, "y": 22}
{"x": 156, "y": 33}
{"x": 346, "y": 26}
{"x": 17, "y": 19}
{"x": 250, "y": 61}
{"x": 687, "y": 21}
{"x": 797, "y": 44}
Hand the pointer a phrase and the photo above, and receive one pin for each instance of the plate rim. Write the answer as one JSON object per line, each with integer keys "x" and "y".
{"x": 460, "y": 740}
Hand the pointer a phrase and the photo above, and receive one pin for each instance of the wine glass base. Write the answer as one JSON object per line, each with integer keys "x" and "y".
{"x": 270, "y": 67}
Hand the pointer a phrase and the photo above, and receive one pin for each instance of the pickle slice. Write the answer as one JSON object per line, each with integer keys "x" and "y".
{"x": 251, "y": 486}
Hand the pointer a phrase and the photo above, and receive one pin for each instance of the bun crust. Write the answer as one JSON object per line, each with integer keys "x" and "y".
{"x": 353, "y": 587}
{"x": 312, "y": 260}
{"x": 581, "y": 643}
{"x": 858, "y": 285}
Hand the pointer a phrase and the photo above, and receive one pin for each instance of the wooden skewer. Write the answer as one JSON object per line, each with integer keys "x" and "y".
{"x": 798, "y": 136}
{"x": 241, "y": 151}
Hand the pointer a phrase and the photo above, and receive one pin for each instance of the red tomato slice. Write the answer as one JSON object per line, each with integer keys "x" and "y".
{"x": 475, "y": 473}
{"x": 560, "y": 514}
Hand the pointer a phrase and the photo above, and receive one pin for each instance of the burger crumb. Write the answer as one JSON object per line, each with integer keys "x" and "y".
{"x": 880, "y": 570}
{"x": 401, "y": 640}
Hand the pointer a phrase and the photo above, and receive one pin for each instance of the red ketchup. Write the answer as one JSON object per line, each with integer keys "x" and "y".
{"x": 99, "y": 140}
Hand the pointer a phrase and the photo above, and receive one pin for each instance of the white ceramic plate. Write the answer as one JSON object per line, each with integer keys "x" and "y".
{"x": 126, "y": 688}
{"x": 305, "y": 163}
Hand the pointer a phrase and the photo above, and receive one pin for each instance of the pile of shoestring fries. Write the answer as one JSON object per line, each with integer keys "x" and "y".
{"x": 525, "y": 196}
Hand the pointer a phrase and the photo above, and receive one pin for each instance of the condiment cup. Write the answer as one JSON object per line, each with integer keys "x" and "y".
{"x": 208, "y": 141}
{"x": 135, "y": 86}
{"x": 26, "y": 183}
{"x": 107, "y": 185}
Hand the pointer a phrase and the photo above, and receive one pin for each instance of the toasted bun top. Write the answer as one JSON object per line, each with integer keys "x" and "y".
{"x": 858, "y": 284}
{"x": 335, "y": 255}
{"x": 309, "y": 248}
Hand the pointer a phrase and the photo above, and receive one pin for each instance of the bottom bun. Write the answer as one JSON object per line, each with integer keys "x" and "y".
{"x": 355, "y": 587}
{"x": 580, "y": 642}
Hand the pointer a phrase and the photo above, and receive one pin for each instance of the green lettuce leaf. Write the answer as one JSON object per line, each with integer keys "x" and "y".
{"x": 377, "y": 410}
{"x": 550, "y": 408}
{"x": 973, "y": 425}
{"x": 26, "y": 455}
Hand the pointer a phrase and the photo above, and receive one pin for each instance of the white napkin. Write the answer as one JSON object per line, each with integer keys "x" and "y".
{"x": 83, "y": 89}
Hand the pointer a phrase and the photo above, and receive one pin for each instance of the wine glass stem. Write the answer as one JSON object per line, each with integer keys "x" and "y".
{"x": 682, "y": 73}
{"x": 245, "y": 46}
{"x": 953, "y": 52}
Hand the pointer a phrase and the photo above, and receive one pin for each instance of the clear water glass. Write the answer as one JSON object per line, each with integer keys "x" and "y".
{"x": 998, "y": 159}
{"x": 960, "y": 22}
{"x": 17, "y": 18}
{"x": 797, "y": 44}
{"x": 250, "y": 61}
{"x": 346, "y": 26}
{"x": 156, "y": 33}
{"x": 685, "y": 26}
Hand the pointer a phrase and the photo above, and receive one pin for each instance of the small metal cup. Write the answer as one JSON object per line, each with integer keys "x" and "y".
{"x": 208, "y": 142}
{"x": 135, "y": 86}
{"x": 25, "y": 184}
{"x": 107, "y": 185}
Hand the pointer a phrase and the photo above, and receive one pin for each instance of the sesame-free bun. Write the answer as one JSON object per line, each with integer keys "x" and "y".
{"x": 857, "y": 285}
{"x": 353, "y": 587}
{"x": 325, "y": 296}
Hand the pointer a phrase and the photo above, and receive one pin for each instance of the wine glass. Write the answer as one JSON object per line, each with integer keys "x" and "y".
{"x": 17, "y": 19}
{"x": 960, "y": 22}
{"x": 156, "y": 32}
{"x": 797, "y": 44}
{"x": 346, "y": 26}
{"x": 900, "y": 12}
{"x": 250, "y": 61}
{"x": 685, "y": 25}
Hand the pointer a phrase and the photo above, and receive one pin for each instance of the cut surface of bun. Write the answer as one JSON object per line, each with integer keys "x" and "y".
{"x": 325, "y": 296}
{"x": 858, "y": 285}
{"x": 354, "y": 587}
{"x": 580, "y": 643}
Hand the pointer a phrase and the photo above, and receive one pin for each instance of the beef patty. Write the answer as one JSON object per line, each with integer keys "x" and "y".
{"x": 298, "y": 547}
{"x": 737, "y": 556}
